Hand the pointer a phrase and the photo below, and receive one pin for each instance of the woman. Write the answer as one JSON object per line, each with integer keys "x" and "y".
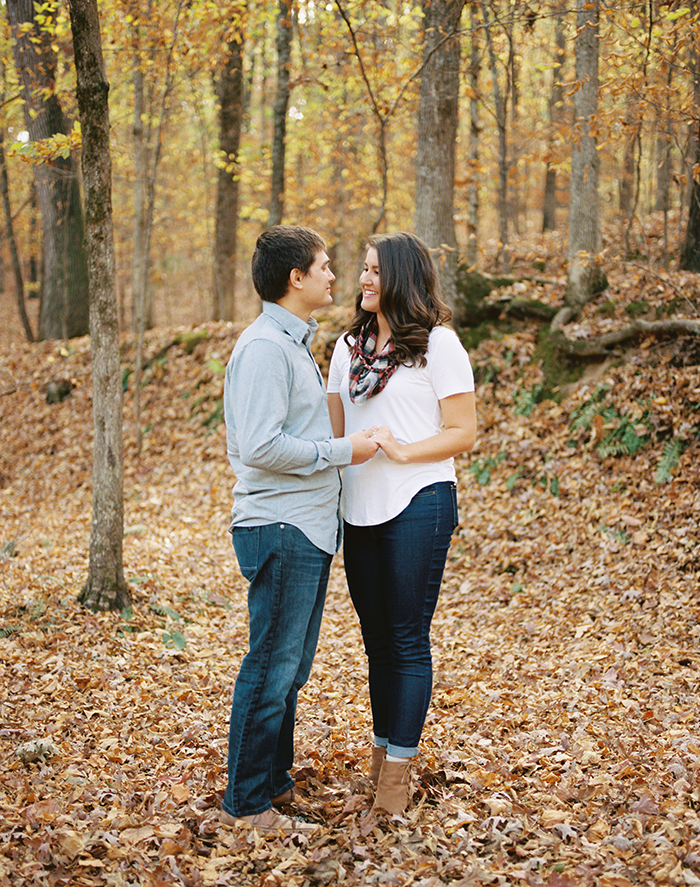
{"x": 402, "y": 373}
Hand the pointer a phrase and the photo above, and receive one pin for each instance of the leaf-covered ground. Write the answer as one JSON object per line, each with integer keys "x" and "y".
{"x": 562, "y": 745}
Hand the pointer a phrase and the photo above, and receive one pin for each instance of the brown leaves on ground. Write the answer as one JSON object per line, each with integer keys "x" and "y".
{"x": 562, "y": 744}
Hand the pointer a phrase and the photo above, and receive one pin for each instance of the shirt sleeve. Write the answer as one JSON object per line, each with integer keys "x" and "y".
{"x": 259, "y": 422}
{"x": 448, "y": 364}
{"x": 338, "y": 367}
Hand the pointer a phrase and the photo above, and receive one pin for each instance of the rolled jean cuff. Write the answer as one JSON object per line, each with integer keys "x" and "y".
{"x": 381, "y": 741}
{"x": 400, "y": 751}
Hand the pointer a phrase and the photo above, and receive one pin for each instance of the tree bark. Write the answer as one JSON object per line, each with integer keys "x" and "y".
{"x": 12, "y": 241}
{"x": 284, "y": 60}
{"x": 437, "y": 135}
{"x": 584, "y": 213}
{"x": 140, "y": 290}
{"x": 500, "y": 100}
{"x": 474, "y": 130}
{"x": 105, "y": 587}
{"x": 556, "y": 105}
{"x": 690, "y": 251}
{"x": 230, "y": 93}
{"x": 64, "y": 311}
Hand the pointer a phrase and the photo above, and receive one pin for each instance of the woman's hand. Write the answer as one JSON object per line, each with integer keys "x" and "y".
{"x": 390, "y": 446}
{"x": 457, "y": 435}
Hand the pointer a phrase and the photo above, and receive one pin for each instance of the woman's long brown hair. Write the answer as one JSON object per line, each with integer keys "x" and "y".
{"x": 409, "y": 295}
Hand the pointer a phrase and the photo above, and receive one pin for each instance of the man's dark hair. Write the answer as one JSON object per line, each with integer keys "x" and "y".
{"x": 278, "y": 252}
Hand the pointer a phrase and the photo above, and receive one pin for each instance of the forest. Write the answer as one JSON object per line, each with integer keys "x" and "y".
{"x": 556, "y": 178}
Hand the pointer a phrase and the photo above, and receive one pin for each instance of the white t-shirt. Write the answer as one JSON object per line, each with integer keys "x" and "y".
{"x": 378, "y": 490}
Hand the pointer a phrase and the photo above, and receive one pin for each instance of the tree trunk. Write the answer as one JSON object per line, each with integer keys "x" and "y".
{"x": 140, "y": 289}
{"x": 556, "y": 106}
{"x": 437, "y": 135}
{"x": 284, "y": 58}
{"x": 474, "y": 129}
{"x": 12, "y": 241}
{"x": 230, "y": 92}
{"x": 690, "y": 252}
{"x": 584, "y": 213}
{"x": 10, "y": 232}
{"x": 105, "y": 587}
{"x": 64, "y": 309}
{"x": 500, "y": 101}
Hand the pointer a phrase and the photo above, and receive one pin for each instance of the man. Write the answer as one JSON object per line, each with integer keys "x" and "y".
{"x": 285, "y": 524}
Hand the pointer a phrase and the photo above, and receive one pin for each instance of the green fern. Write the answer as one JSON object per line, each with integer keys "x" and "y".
{"x": 481, "y": 468}
{"x": 583, "y": 415}
{"x": 621, "y": 440}
{"x": 673, "y": 450}
{"x": 527, "y": 400}
{"x": 165, "y": 611}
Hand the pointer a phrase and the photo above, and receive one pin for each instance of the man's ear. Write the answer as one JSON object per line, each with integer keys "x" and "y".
{"x": 296, "y": 279}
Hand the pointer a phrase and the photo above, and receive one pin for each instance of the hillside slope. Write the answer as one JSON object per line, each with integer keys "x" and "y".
{"x": 562, "y": 745}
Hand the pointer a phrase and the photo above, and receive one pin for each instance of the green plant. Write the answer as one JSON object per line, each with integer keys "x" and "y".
{"x": 624, "y": 438}
{"x": 583, "y": 415}
{"x": 8, "y": 630}
{"x": 672, "y": 452}
{"x": 174, "y": 640}
{"x": 162, "y": 610}
{"x": 526, "y": 400}
{"x": 481, "y": 468}
{"x": 636, "y": 309}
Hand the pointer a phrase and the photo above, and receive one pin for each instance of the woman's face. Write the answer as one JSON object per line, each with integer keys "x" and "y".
{"x": 369, "y": 281}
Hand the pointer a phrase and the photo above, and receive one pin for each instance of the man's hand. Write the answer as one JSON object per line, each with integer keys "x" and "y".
{"x": 363, "y": 447}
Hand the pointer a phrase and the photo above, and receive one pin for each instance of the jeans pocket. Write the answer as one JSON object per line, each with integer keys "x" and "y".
{"x": 455, "y": 509}
{"x": 245, "y": 543}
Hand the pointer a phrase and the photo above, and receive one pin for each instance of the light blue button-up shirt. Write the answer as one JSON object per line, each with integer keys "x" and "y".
{"x": 278, "y": 430}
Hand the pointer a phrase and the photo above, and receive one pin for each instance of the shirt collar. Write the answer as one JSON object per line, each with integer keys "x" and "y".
{"x": 301, "y": 331}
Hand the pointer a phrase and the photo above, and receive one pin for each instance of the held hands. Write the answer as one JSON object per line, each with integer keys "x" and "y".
{"x": 386, "y": 440}
{"x": 366, "y": 443}
{"x": 363, "y": 446}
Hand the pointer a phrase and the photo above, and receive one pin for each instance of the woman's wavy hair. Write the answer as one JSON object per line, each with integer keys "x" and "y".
{"x": 409, "y": 295}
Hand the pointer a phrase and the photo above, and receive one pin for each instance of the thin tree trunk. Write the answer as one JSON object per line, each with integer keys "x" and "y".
{"x": 230, "y": 92}
{"x": 690, "y": 250}
{"x": 64, "y": 304}
{"x": 437, "y": 134}
{"x": 284, "y": 58}
{"x": 10, "y": 230}
{"x": 690, "y": 253}
{"x": 142, "y": 318}
{"x": 501, "y": 106}
{"x": 105, "y": 587}
{"x": 140, "y": 288}
{"x": 584, "y": 214}
{"x": 12, "y": 241}
{"x": 556, "y": 105}
{"x": 474, "y": 130}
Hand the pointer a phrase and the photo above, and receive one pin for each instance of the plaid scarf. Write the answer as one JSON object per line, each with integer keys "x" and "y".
{"x": 369, "y": 372}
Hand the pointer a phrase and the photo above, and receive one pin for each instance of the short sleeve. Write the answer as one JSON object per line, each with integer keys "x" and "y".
{"x": 448, "y": 364}
{"x": 339, "y": 366}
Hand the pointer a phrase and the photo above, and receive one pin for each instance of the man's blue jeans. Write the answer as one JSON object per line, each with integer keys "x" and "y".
{"x": 288, "y": 576}
{"x": 394, "y": 571}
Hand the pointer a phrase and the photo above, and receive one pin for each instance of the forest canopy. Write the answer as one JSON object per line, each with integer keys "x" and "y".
{"x": 353, "y": 81}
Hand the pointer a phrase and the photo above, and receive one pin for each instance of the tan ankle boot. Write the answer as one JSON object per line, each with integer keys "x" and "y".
{"x": 394, "y": 787}
{"x": 375, "y": 765}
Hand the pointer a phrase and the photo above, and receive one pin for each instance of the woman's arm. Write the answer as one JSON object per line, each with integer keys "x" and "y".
{"x": 458, "y": 434}
{"x": 335, "y": 408}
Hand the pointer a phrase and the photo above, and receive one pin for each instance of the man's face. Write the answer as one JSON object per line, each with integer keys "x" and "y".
{"x": 317, "y": 283}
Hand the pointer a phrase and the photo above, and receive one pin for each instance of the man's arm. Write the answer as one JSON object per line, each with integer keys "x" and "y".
{"x": 259, "y": 421}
